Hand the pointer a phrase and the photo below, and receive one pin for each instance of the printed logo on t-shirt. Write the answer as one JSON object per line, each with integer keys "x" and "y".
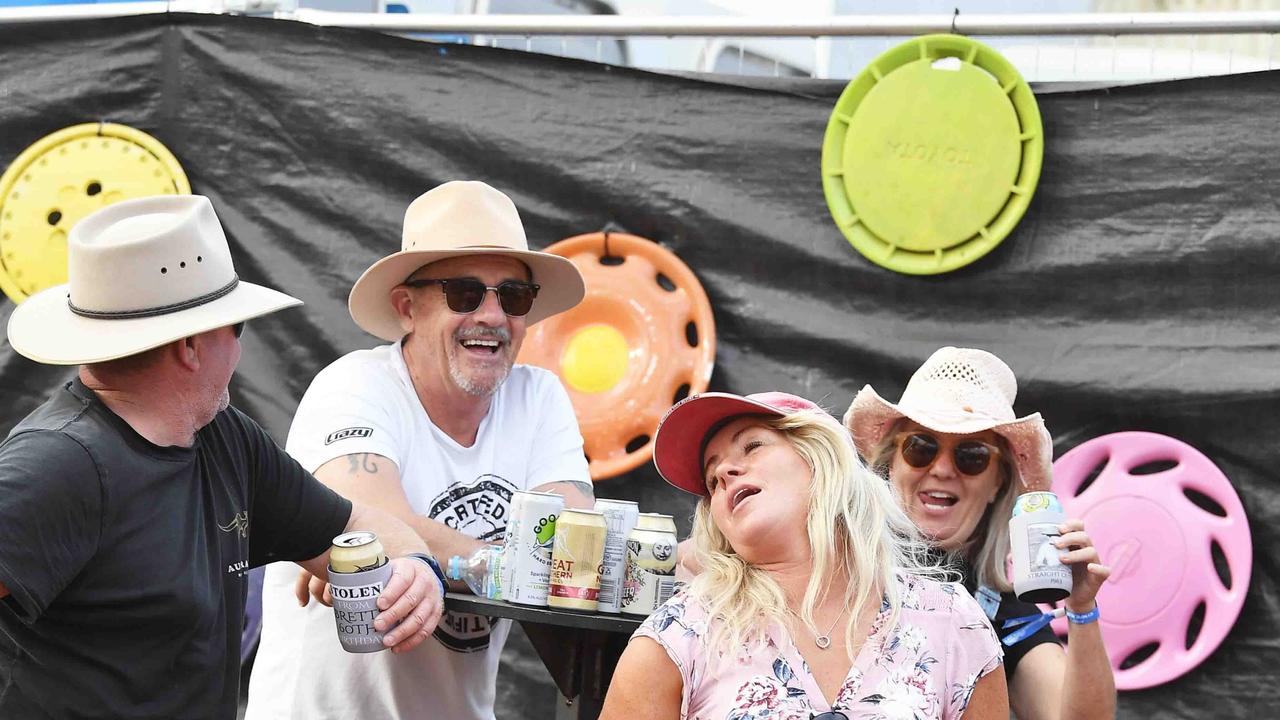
{"x": 480, "y": 510}
{"x": 344, "y": 433}
{"x": 239, "y": 524}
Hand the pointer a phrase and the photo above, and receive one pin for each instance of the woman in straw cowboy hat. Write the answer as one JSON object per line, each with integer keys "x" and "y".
{"x": 810, "y": 602}
{"x": 957, "y": 456}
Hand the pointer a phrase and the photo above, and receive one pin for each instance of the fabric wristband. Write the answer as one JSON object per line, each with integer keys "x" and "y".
{"x": 435, "y": 568}
{"x": 1084, "y": 618}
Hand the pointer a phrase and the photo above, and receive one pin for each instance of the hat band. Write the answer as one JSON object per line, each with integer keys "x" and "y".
{"x": 951, "y": 416}
{"x": 154, "y": 311}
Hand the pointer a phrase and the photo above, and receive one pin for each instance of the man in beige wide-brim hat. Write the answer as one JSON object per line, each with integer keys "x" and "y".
{"x": 128, "y": 499}
{"x": 461, "y": 219}
{"x": 442, "y": 427}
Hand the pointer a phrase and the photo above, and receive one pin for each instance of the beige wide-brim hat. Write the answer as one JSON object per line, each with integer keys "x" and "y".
{"x": 458, "y": 219}
{"x": 141, "y": 273}
{"x": 958, "y": 391}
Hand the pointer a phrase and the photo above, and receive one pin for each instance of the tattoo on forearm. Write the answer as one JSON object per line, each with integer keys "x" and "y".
{"x": 362, "y": 462}
{"x": 560, "y": 486}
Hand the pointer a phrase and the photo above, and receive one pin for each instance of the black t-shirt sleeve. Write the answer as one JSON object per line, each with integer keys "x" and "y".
{"x": 50, "y": 517}
{"x": 1011, "y": 607}
{"x": 293, "y": 516}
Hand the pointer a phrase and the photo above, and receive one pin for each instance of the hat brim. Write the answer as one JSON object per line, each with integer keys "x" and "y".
{"x": 677, "y": 444}
{"x": 45, "y": 330}
{"x": 871, "y": 417}
{"x": 562, "y": 286}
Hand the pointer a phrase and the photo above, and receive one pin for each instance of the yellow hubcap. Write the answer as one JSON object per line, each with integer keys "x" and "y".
{"x": 64, "y": 177}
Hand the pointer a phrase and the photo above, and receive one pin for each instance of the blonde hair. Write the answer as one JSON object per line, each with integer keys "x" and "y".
{"x": 987, "y": 549}
{"x": 854, "y": 527}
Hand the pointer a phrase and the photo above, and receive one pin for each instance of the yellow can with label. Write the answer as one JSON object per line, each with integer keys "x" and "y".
{"x": 576, "y": 559}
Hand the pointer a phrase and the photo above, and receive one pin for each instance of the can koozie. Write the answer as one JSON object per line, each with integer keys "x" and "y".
{"x": 1038, "y": 573}
{"x": 355, "y": 598}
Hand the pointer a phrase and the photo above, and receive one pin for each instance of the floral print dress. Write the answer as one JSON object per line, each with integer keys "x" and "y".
{"x": 925, "y": 667}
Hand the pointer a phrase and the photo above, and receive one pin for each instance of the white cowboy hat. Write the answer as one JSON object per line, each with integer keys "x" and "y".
{"x": 452, "y": 220}
{"x": 958, "y": 391}
{"x": 141, "y": 273}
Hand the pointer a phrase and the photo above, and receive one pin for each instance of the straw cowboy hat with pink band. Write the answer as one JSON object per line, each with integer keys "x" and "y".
{"x": 456, "y": 219}
{"x": 958, "y": 391}
{"x": 683, "y": 433}
{"x": 141, "y": 273}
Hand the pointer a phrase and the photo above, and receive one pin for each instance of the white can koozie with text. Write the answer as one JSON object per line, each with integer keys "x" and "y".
{"x": 1038, "y": 574}
{"x": 358, "y": 571}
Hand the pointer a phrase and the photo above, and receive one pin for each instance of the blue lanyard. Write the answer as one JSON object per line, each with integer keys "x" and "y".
{"x": 989, "y": 600}
{"x": 1030, "y": 624}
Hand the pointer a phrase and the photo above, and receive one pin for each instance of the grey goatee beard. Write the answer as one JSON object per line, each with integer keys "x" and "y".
{"x": 475, "y": 388}
{"x": 471, "y": 385}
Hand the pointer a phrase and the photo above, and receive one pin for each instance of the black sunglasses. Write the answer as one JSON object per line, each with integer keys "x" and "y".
{"x": 831, "y": 715}
{"x": 465, "y": 295}
{"x": 238, "y": 328}
{"x": 971, "y": 457}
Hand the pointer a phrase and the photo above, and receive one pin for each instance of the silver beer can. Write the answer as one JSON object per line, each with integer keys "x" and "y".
{"x": 620, "y": 518}
{"x": 531, "y": 531}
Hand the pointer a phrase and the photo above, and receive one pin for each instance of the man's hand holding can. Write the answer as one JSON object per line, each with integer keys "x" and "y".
{"x": 414, "y": 598}
{"x": 378, "y": 603}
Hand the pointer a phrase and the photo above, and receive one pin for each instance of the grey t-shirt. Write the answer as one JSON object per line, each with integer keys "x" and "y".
{"x": 126, "y": 562}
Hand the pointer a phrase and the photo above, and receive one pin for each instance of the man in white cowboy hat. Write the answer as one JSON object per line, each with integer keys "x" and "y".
{"x": 134, "y": 501}
{"x": 440, "y": 428}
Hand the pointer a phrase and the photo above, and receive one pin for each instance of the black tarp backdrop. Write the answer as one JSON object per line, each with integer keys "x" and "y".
{"x": 1138, "y": 292}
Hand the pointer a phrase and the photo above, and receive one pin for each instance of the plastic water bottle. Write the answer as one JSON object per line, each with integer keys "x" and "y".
{"x": 1038, "y": 574}
{"x": 482, "y": 572}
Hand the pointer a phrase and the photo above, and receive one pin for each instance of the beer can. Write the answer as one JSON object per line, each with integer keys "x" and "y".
{"x": 358, "y": 570}
{"x": 575, "y": 560}
{"x": 651, "y": 564}
{"x": 526, "y": 566}
{"x": 657, "y": 521}
{"x": 620, "y": 518}
{"x": 355, "y": 552}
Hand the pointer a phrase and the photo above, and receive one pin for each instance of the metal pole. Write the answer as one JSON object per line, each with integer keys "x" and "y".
{"x": 835, "y": 26}
{"x": 45, "y": 13}
{"x": 618, "y": 25}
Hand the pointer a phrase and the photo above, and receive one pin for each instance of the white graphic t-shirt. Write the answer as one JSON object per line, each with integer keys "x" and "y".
{"x": 365, "y": 403}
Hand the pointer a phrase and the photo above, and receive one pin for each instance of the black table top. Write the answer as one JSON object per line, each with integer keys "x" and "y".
{"x": 463, "y": 602}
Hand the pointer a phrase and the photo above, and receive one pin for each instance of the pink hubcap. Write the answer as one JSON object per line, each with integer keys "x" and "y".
{"x": 1158, "y": 543}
